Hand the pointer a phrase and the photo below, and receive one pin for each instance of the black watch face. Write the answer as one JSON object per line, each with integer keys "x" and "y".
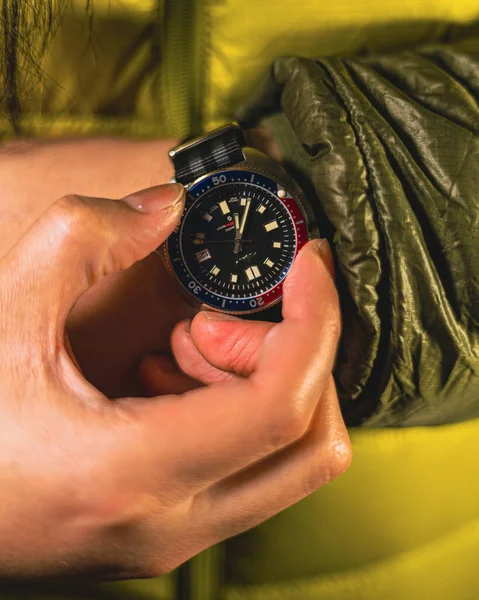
{"x": 237, "y": 240}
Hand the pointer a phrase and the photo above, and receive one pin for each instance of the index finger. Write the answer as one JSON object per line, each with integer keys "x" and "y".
{"x": 220, "y": 429}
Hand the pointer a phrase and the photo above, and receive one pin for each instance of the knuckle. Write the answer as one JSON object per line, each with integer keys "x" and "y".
{"x": 72, "y": 204}
{"x": 339, "y": 458}
{"x": 327, "y": 463}
{"x": 71, "y": 213}
{"x": 291, "y": 426}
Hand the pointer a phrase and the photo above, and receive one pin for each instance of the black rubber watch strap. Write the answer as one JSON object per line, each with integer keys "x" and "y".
{"x": 216, "y": 150}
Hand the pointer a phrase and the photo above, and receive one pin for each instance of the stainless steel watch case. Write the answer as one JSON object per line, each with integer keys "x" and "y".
{"x": 260, "y": 163}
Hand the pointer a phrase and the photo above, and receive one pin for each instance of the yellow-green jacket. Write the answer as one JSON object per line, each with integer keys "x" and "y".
{"x": 403, "y": 522}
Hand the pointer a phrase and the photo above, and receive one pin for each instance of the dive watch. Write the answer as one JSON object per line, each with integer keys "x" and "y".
{"x": 244, "y": 222}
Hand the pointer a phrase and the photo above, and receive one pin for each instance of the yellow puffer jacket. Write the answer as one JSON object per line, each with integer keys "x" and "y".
{"x": 403, "y": 522}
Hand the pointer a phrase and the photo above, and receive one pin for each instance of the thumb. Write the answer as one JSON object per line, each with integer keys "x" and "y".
{"x": 79, "y": 240}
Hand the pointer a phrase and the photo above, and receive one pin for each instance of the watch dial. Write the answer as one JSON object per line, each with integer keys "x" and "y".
{"x": 237, "y": 240}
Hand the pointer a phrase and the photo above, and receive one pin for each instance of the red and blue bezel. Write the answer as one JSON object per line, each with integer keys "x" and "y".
{"x": 194, "y": 287}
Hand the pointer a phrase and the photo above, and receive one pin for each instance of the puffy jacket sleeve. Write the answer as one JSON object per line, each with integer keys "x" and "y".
{"x": 389, "y": 146}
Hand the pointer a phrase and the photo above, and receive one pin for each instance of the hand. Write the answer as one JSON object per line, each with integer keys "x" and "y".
{"x": 128, "y": 314}
{"x": 239, "y": 233}
{"x": 132, "y": 488}
{"x": 121, "y": 319}
{"x": 237, "y": 223}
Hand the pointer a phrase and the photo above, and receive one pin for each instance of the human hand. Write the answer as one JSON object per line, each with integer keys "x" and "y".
{"x": 134, "y": 487}
{"x": 128, "y": 314}
{"x": 123, "y": 318}
{"x": 132, "y": 314}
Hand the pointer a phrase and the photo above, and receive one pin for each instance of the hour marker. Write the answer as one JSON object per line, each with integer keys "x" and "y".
{"x": 252, "y": 272}
{"x": 276, "y": 244}
{"x": 271, "y": 225}
{"x": 215, "y": 270}
{"x": 243, "y": 202}
{"x": 281, "y": 193}
{"x": 261, "y": 208}
{"x": 225, "y": 209}
{"x": 234, "y": 278}
{"x": 207, "y": 217}
{"x": 268, "y": 263}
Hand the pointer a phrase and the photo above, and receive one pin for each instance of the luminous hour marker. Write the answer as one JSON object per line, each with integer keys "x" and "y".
{"x": 276, "y": 244}
{"x": 234, "y": 278}
{"x": 268, "y": 263}
{"x": 271, "y": 225}
{"x": 207, "y": 217}
{"x": 243, "y": 202}
{"x": 252, "y": 272}
{"x": 225, "y": 209}
{"x": 261, "y": 208}
{"x": 215, "y": 270}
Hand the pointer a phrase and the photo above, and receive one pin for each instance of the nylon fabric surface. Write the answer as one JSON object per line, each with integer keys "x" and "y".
{"x": 245, "y": 37}
{"x": 392, "y": 148}
{"x": 121, "y": 78}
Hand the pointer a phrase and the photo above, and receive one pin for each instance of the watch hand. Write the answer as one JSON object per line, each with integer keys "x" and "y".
{"x": 237, "y": 224}
{"x": 239, "y": 235}
{"x": 245, "y": 216}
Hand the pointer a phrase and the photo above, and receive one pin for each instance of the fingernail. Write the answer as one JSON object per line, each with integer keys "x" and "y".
{"x": 156, "y": 198}
{"x": 217, "y": 316}
{"x": 326, "y": 255}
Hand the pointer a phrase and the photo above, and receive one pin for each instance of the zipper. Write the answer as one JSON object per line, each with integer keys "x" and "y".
{"x": 184, "y": 53}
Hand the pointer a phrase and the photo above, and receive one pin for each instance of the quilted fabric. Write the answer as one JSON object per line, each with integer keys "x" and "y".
{"x": 390, "y": 144}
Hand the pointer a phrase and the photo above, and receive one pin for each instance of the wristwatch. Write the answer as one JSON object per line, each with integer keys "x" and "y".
{"x": 244, "y": 222}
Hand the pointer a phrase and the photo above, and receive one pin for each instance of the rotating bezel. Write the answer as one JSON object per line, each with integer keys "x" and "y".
{"x": 252, "y": 172}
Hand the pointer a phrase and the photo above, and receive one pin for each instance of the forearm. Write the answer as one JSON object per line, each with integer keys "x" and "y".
{"x": 35, "y": 174}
